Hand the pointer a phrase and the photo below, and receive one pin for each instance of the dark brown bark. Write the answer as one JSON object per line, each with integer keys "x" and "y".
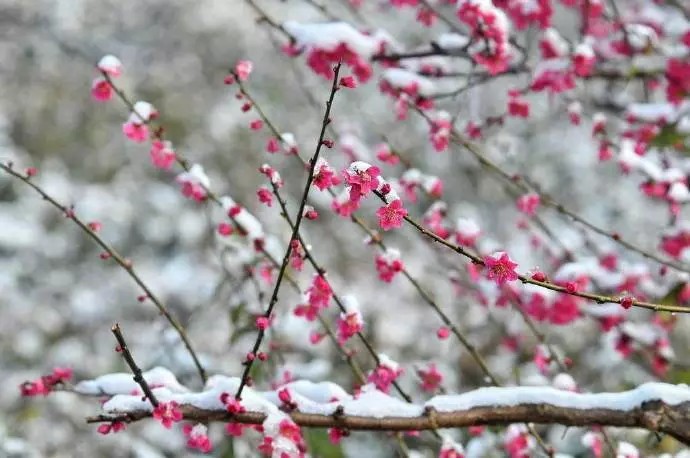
{"x": 654, "y": 416}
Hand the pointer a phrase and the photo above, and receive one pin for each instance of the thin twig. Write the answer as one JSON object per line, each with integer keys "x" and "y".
{"x": 298, "y": 220}
{"x": 125, "y": 264}
{"x": 129, "y": 359}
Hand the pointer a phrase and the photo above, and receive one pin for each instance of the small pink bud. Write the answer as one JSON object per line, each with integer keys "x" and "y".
{"x": 234, "y": 211}
{"x": 443, "y": 333}
{"x": 539, "y": 276}
{"x": 272, "y": 146}
{"x": 224, "y": 229}
{"x": 315, "y": 337}
{"x": 284, "y": 396}
{"x": 262, "y": 323}
{"x": 626, "y": 302}
{"x": 348, "y": 82}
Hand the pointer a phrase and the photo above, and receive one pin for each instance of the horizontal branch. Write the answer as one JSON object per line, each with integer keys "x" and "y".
{"x": 652, "y": 415}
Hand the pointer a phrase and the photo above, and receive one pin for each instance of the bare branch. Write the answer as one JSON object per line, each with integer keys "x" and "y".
{"x": 129, "y": 359}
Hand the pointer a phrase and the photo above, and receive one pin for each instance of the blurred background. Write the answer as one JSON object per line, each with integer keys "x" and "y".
{"x": 58, "y": 300}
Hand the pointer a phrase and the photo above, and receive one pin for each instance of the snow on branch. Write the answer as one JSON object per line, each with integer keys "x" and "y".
{"x": 659, "y": 407}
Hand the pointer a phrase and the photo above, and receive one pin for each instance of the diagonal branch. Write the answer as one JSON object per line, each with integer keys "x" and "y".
{"x": 298, "y": 220}
{"x": 124, "y": 263}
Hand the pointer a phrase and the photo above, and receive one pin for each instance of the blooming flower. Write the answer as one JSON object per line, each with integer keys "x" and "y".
{"x": 385, "y": 373}
{"x": 335, "y": 435}
{"x": 243, "y": 69}
{"x": 265, "y": 195}
{"x": 194, "y": 183}
{"x": 235, "y": 429}
{"x": 388, "y": 264}
{"x": 430, "y": 378}
{"x": 440, "y": 129}
{"x": 348, "y": 82}
{"x": 34, "y": 388}
{"x": 678, "y": 79}
{"x": 564, "y": 309}
{"x": 136, "y": 132}
{"x": 44, "y": 385}
{"x": 362, "y": 179}
{"x": 232, "y": 404}
{"x": 318, "y": 297}
{"x": 391, "y": 215}
{"x": 162, "y": 154}
{"x": 517, "y": 441}
{"x": 197, "y": 437}
{"x": 489, "y": 27}
{"x": 324, "y": 175}
{"x": 101, "y": 90}
{"x": 524, "y": 13}
{"x": 351, "y": 321}
{"x": 385, "y": 154}
{"x": 348, "y": 325}
{"x": 501, "y": 268}
{"x": 167, "y": 413}
{"x": 552, "y": 44}
{"x": 343, "y": 205}
{"x": 528, "y": 203}
{"x": 473, "y": 130}
{"x": 583, "y": 60}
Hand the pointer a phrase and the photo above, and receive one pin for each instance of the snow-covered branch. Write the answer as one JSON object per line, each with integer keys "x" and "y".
{"x": 658, "y": 407}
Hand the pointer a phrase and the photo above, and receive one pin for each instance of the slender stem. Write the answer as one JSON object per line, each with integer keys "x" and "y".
{"x": 298, "y": 220}
{"x": 125, "y": 264}
{"x": 339, "y": 302}
{"x": 129, "y": 359}
{"x": 598, "y": 298}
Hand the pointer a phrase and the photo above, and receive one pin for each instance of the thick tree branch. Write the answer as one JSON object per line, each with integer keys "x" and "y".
{"x": 653, "y": 415}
